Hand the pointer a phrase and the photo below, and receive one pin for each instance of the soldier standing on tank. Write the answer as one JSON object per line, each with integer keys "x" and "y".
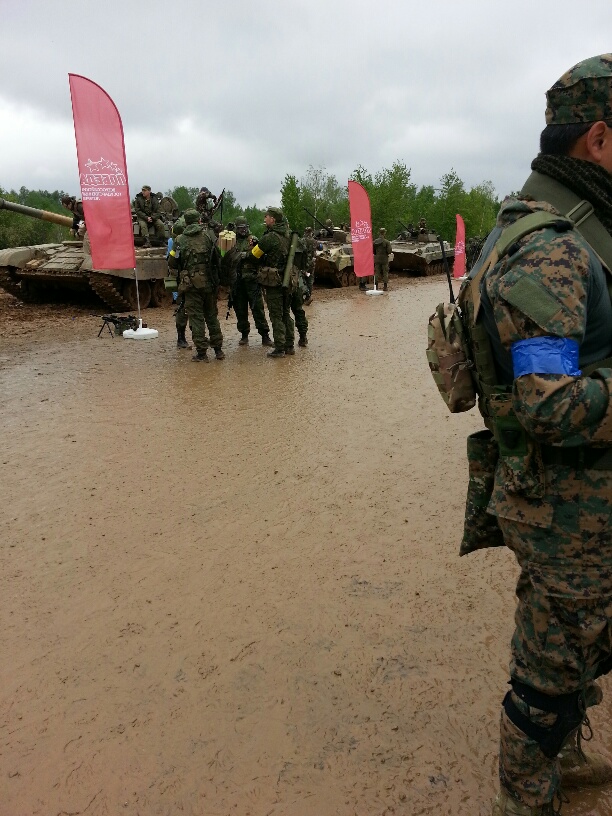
{"x": 195, "y": 256}
{"x": 269, "y": 256}
{"x": 309, "y": 273}
{"x": 146, "y": 207}
{"x": 382, "y": 250}
{"x": 547, "y": 312}
{"x": 76, "y": 208}
{"x": 247, "y": 291}
{"x": 206, "y": 202}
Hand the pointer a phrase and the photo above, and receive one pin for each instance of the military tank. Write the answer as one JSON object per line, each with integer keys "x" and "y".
{"x": 420, "y": 254}
{"x": 334, "y": 263}
{"x": 30, "y": 272}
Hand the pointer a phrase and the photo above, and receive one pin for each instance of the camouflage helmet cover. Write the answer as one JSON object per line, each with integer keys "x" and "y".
{"x": 241, "y": 221}
{"x": 276, "y": 213}
{"x": 582, "y": 94}
{"x": 329, "y": 223}
{"x": 191, "y": 216}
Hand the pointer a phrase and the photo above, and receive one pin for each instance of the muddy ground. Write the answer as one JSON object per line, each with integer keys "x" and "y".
{"x": 234, "y": 588}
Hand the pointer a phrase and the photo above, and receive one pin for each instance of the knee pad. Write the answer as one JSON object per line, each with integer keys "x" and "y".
{"x": 569, "y": 708}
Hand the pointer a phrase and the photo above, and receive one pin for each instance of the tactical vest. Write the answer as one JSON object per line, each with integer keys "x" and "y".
{"x": 495, "y": 396}
{"x": 196, "y": 260}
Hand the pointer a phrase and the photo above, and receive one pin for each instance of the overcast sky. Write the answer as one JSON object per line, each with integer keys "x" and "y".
{"x": 238, "y": 94}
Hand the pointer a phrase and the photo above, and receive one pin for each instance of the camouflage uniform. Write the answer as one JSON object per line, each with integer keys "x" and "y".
{"x": 180, "y": 314}
{"x": 270, "y": 254}
{"x": 382, "y": 250}
{"x": 553, "y": 482}
{"x": 195, "y": 260}
{"x": 146, "y": 208}
{"x": 311, "y": 251}
{"x": 247, "y": 291}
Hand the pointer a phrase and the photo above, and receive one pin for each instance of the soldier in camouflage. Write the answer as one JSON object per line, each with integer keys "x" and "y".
{"x": 269, "y": 256}
{"x": 247, "y": 291}
{"x": 195, "y": 257}
{"x": 180, "y": 314}
{"x": 147, "y": 211}
{"x": 309, "y": 273}
{"x": 382, "y": 250}
{"x": 547, "y": 311}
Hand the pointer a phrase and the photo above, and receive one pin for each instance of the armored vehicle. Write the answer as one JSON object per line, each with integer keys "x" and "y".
{"x": 29, "y": 272}
{"x": 420, "y": 254}
{"x": 334, "y": 259}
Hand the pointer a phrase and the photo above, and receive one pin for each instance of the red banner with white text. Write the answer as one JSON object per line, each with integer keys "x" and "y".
{"x": 103, "y": 175}
{"x": 459, "y": 265}
{"x": 361, "y": 230}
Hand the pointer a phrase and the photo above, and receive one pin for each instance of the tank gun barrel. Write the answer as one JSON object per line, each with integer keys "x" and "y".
{"x": 43, "y": 215}
{"x": 312, "y": 215}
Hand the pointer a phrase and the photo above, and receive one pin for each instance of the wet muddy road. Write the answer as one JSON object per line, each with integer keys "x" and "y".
{"x": 234, "y": 588}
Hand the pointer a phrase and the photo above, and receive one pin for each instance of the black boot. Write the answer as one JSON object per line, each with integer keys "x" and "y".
{"x": 181, "y": 340}
{"x": 244, "y": 340}
{"x": 290, "y": 350}
{"x": 219, "y": 354}
{"x": 276, "y": 353}
{"x": 385, "y": 287}
{"x": 265, "y": 340}
{"x": 200, "y": 357}
{"x": 303, "y": 341}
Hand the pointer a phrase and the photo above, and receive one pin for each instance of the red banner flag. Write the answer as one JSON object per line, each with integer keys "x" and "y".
{"x": 459, "y": 265}
{"x": 361, "y": 230}
{"x": 103, "y": 175}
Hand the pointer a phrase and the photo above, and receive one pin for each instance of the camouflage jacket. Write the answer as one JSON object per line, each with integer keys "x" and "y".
{"x": 558, "y": 269}
{"x": 311, "y": 251}
{"x": 196, "y": 259}
{"x": 146, "y": 208}
{"x": 274, "y": 243}
{"x": 382, "y": 249}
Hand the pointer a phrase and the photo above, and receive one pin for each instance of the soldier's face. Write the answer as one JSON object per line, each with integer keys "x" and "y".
{"x": 146, "y": 193}
{"x": 269, "y": 220}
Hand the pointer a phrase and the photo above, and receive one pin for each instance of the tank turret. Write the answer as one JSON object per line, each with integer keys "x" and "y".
{"x": 29, "y": 272}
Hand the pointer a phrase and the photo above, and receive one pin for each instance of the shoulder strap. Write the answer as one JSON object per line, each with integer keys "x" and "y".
{"x": 511, "y": 234}
{"x": 543, "y": 188}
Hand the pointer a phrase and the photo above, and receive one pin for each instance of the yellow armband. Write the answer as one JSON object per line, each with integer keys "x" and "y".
{"x": 173, "y": 253}
{"x": 257, "y": 252}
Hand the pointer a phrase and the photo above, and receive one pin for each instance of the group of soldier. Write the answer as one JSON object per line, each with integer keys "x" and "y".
{"x": 254, "y": 268}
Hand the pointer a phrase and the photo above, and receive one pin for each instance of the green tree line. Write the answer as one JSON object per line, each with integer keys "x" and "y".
{"x": 394, "y": 199}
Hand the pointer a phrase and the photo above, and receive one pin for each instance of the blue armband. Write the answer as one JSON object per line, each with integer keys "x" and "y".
{"x": 545, "y": 355}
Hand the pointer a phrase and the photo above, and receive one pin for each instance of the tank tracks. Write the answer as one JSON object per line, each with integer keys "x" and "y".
{"x": 9, "y": 285}
{"x": 105, "y": 289}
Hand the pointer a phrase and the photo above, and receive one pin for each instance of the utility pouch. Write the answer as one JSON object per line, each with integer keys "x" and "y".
{"x": 268, "y": 276}
{"x": 200, "y": 278}
{"x": 480, "y": 528}
{"x": 448, "y": 359}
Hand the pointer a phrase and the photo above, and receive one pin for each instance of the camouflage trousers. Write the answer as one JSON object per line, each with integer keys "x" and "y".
{"x": 381, "y": 269}
{"x": 297, "y": 307}
{"x": 158, "y": 227}
{"x": 309, "y": 279}
{"x": 201, "y": 309}
{"x": 180, "y": 314}
{"x": 248, "y": 293}
{"x": 283, "y": 328}
{"x": 563, "y": 636}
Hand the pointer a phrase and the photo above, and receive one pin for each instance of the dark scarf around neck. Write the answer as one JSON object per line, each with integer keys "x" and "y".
{"x": 586, "y": 179}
